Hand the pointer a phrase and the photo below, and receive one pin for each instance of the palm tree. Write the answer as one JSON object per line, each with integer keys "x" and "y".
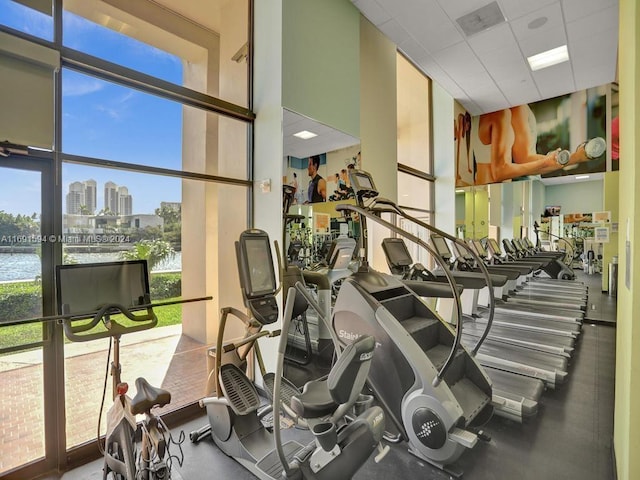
{"x": 153, "y": 251}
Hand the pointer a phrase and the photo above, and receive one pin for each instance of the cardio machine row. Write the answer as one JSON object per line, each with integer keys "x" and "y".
{"x": 425, "y": 380}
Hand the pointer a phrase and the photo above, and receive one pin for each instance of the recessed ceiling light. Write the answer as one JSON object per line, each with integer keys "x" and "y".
{"x": 548, "y": 58}
{"x": 305, "y": 134}
{"x": 581, "y": 177}
{"x": 459, "y": 191}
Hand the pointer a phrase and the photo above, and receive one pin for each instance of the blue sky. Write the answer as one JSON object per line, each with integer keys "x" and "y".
{"x": 104, "y": 120}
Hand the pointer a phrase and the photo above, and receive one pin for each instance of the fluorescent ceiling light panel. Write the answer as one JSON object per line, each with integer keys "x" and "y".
{"x": 305, "y": 134}
{"x": 548, "y": 58}
{"x": 581, "y": 177}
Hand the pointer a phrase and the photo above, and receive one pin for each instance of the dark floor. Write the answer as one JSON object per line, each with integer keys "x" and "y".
{"x": 569, "y": 439}
{"x": 601, "y": 306}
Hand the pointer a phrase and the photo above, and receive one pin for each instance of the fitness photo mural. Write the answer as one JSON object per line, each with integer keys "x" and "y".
{"x": 561, "y": 136}
{"x": 323, "y": 177}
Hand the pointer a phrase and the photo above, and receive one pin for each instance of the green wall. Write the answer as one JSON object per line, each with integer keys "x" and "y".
{"x": 321, "y": 62}
{"x": 610, "y": 196}
{"x": 579, "y": 197}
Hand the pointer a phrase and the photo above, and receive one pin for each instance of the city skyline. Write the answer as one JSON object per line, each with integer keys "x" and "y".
{"x": 81, "y": 199}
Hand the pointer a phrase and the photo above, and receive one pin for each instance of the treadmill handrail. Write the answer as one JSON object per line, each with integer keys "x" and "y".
{"x": 452, "y": 283}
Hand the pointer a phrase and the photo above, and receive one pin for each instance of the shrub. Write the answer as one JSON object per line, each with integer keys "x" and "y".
{"x": 20, "y": 300}
{"x": 165, "y": 285}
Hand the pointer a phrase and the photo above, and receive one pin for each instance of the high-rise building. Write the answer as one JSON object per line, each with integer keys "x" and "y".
{"x": 75, "y": 198}
{"x": 111, "y": 197}
{"x": 125, "y": 201}
{"x": 90, "y": 196}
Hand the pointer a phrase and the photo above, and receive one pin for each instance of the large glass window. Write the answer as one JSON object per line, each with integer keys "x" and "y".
{"x": 414, "y": 117}
{"x": 415, "y": 166}
{"x": 209, "y": 57}
{"x": 21, "y": 372}
{"x": 33, "y": 18}
{"x": 151, "y": 145}
{"x": 108, "y": 121}
{"x": 173, "y": 355}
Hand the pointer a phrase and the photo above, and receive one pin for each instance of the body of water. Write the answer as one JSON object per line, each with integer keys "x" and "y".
{"x": 26, "y": 266}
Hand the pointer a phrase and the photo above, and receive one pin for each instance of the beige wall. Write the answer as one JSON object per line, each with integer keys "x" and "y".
{"x": 378, "y": 123}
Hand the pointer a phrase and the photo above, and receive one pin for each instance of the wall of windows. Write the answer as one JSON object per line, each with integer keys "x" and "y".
{"x": 415, "y": 159}
{"x": 151, "y": 136}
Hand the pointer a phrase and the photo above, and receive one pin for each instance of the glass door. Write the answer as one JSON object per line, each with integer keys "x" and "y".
{"x": 26, "y": 278}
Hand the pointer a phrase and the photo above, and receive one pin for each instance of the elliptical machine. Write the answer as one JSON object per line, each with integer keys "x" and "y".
{"x": 340, "y": 448}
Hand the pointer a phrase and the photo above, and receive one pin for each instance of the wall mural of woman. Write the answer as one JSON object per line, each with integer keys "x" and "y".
{"x": 560, "y": 136}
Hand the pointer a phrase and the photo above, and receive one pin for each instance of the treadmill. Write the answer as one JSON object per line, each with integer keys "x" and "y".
{"x": 540, "y": 340}
{"x": 516, "y": 359}
{"x": 525, "y": 296}
{"x": 514, "y": 396}
{"x": 548, "y": 312}
{"x": 521, "y": 319}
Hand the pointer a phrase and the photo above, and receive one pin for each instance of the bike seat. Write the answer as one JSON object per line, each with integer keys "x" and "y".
{"x": 148, "y": 396}
{"x": 315, "y": 400}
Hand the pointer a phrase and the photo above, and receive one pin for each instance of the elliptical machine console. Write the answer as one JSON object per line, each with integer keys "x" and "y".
{"x": 257, "y": 276}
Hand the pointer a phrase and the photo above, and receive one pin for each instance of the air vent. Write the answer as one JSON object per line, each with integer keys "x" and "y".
{"x": 481, "y": 19}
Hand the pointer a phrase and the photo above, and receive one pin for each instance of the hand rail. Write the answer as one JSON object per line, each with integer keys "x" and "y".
{"x": 458, "y": 332}
{"x": 85, "y": 315}
{"x": 478, "y": 261}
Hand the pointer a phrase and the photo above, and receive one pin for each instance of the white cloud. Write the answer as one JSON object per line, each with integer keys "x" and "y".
{"x": 76, "y": 86}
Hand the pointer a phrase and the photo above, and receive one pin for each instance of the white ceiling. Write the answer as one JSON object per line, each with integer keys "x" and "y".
{"x": 488, "y": 71}
{"x": 328, "y": 140}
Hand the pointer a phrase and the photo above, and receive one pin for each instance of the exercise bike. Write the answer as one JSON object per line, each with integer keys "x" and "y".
{"x": 99, "y": 292}
{"x": 340, "y": 446}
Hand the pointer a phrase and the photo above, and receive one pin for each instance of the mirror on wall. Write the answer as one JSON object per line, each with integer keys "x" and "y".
{"x": 315, "y": 165}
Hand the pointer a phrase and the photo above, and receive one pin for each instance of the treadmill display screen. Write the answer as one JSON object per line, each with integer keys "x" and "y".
{"x": 480, "y": 250}
{"x": 494, "y": 246}
{"x": 440, "y": 244}
{"x": 460, "y": 251}
{"x": 397, "y": 252}
{"x": 362, "y": 181}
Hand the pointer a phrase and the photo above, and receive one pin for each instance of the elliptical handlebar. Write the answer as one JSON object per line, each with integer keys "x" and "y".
{"x": 113, "y": 328}
{"x": 452, "y": 284}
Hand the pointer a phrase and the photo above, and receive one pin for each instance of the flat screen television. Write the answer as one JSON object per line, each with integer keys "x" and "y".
{"x": 86, "y": 288}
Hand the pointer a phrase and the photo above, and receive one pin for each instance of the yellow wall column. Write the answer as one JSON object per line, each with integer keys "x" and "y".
{"x": 627, "y": 399}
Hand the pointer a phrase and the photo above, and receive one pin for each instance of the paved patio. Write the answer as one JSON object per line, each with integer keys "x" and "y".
{"x": 162, "y": 355}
